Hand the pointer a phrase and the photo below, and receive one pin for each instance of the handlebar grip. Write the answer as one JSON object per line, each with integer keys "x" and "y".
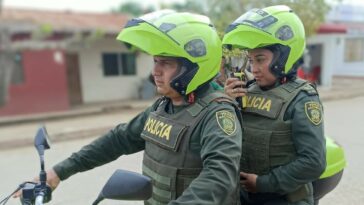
{"x": 39, "y": 199}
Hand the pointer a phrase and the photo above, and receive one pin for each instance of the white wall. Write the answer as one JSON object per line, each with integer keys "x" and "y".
{"x": 328, "y": 60}
{"x": 96, "y": 87}
{"x": 349, "y": 68}
{"x": 334, "y": 55}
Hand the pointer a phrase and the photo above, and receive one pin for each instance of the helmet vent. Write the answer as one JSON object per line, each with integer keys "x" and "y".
{"x": 231, "y": 27}
{"x": 284, "y": 33}
{"x": 166, "y": 27}
{"x": 196, "y": 48}
{"x": 267, "y": 21}
{"x": 262, "y": 12}
{"x": 133, "y": 22}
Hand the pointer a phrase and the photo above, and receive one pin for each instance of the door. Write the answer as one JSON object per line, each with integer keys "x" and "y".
{"x": 73, "y": 76}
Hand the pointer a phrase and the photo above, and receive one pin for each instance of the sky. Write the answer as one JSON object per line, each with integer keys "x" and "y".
{"x": 95, "y": 5}
{"x": 77, "y": 5}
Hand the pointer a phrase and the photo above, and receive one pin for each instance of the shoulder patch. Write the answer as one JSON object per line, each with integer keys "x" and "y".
{"x": 314, "y": 112}
{"x": 226, "y": 121}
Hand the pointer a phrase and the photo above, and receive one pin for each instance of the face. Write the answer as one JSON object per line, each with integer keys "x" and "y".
{"x": 164, "y": 70}
{"x": 260, "y": 60}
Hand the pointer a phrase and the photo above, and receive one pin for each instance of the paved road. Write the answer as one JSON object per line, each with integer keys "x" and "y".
{"x": 79, "y": 189}
{"x": 21, "y": 164}
{"x": 342, "y": 122}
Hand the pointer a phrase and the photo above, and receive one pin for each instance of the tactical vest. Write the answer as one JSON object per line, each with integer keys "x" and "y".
{"x": 267, "y": 138}
{"x": 168, "y": 158}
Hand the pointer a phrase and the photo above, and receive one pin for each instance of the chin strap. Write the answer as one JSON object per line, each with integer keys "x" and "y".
{"x": 283, "y": 80}
{"x": 191, "y": 98}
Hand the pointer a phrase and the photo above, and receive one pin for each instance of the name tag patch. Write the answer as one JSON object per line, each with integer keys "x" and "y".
{"x": 163, "y": 132}
{"x": 268, "y": 106}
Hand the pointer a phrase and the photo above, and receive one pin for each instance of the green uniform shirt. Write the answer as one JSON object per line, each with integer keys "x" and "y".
{"x": 219, "y": 149}
{"x": 309, "y": 142}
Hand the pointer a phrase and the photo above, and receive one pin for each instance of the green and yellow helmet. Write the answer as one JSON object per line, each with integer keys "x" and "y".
{"x": 276, "y": 28}
{"x": 187, "y": 36}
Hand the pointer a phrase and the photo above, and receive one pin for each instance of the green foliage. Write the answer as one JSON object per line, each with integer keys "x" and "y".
{"x": 133, "y": 8}
{"x": 189, "y": 5}
{"x": 96, "y": 34}
{"x": 311, "y": 12}
{"x": 44, "y": 31}
{"x": 223, "y": 12}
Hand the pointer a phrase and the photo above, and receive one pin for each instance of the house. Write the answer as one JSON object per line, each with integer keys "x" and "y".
{"x": 63, "y": 59}
{"x": 338, "y": 47}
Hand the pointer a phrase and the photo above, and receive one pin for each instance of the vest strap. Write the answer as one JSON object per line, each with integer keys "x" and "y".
{"x": 201, "y": 104}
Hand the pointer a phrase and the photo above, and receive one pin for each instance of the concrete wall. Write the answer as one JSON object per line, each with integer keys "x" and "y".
{"x": 45, "y": 84}
{"x": 333, "y": 54}
{"x": 348, "y": 68}
{"x": 96, "y": 87}
{"x": 327, "y": 59}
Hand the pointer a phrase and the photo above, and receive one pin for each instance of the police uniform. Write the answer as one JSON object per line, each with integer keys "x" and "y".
{"x": 192, "y": 152}
{"x": 283, "y": 143}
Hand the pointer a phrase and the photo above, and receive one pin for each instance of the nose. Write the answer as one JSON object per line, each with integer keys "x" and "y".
{"x": 157, "y": 71}
{"x": 254, "y": 69}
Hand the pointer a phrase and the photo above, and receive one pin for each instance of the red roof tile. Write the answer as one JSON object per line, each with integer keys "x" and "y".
{"x": 67, "y": 20}
{"x": 331, "y": 28}
{"x": 341, "y": 27}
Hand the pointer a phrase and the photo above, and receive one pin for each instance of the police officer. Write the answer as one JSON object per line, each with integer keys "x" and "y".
{"x": 283, "y": 139}
{"x": 191, "y": 136}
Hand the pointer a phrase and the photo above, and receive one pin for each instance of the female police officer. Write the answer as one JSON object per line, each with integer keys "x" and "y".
{"x": 283, "y": 141}
{"x": 191, "y": 136}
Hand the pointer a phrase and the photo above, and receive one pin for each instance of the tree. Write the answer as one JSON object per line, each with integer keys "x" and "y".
{"x": 133, "y": 9}
{"x": 188, "y": 6}
{"x": 311, "y": 12}
{"x": 222, "y": 13}
{"x": 6, "y": 64}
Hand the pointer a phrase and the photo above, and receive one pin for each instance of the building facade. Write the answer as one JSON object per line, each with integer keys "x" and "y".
{"x": 64, "y": 59}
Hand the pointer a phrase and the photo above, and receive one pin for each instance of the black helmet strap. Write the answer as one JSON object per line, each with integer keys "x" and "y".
{"x": 185, "y": 75}
{"x": 280, "y": 57}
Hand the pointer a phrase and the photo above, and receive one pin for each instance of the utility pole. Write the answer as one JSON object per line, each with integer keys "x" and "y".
{"x": 6, "y": 58}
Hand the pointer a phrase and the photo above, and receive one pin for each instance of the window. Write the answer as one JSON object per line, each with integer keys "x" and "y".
{"x": 17, "y": 74}
{"x": 115, "y": 64}
{"x": 354, "y": 49}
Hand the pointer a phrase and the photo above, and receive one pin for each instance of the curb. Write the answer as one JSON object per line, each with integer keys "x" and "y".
{"x": 65, "y": 136}
{"x": 342, "y": 95}
{"x": 93, "y": 132}
{"x": 68, "y": 114}
{"x": 57, "y": 137}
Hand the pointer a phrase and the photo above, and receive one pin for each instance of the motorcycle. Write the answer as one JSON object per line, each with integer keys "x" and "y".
{"x": 333, "y": 173}
{"x": 122, "y": 185}
{"x": 127, "y": 185}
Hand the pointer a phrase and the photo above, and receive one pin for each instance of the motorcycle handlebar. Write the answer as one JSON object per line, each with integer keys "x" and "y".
{"x": 39, "y": 199}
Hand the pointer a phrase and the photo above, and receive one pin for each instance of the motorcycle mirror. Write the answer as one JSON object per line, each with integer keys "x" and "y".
{"x": 41, "y": 140}
{"x": 126, "y": 185}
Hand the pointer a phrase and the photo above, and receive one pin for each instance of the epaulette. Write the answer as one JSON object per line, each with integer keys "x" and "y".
{"x": 310, "y": 89}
